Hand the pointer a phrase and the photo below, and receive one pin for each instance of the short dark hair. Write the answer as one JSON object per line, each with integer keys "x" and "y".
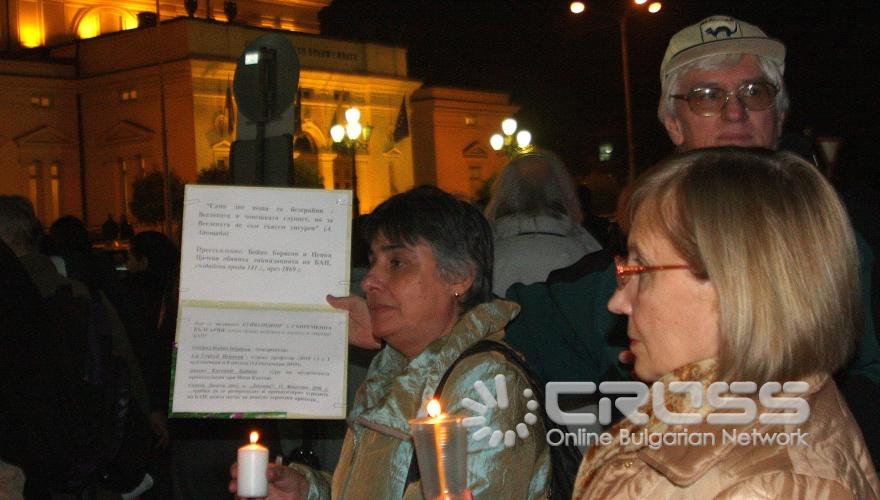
{"x": 162, "y": 256}
{"x": 456, "y": 231}
{"x": 69, "y": 235}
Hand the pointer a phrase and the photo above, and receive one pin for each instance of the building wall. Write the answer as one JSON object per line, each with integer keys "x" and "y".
{"x": 39, "y": 138}
{"x": 451, "y": 142}
{"x": 105, "y": 123}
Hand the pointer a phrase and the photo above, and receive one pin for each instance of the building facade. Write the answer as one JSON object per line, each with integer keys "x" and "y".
{"x": 97, "y": 95}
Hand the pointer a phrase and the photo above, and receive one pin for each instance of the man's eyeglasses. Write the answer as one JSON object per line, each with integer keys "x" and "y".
{"x": 626, "y": 272}
{"x": 708, "y": 101}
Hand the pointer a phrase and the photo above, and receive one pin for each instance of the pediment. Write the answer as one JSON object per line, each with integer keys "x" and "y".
{"x": 127, "y": 132}
{"x": 474, "y": 150}
{"x": 43, "y": 136}
{"x": 392, "y": 153}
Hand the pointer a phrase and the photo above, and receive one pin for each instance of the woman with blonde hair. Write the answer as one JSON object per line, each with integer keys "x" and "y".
{"x": 742, "y": 269}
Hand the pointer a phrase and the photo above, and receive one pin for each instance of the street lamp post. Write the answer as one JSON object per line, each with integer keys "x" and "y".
{"x": 352, "y": 137}
{"x": 513, "y": 143}
{"x": 653, "y": 8}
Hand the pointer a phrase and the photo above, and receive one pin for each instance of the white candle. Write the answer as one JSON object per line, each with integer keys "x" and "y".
{"x": 253, "y": 460}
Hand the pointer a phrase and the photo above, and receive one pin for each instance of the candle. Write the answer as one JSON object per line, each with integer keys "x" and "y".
{"x": 253, "y": 459}
{"x": 441, "y": 447}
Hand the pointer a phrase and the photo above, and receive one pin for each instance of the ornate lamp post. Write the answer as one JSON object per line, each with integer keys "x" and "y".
{"x": 513, "y": 143}
{"x": 352, "y": 137}
{"x": 653, "y": 8}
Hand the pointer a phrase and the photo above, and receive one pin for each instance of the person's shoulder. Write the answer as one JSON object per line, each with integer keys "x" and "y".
{"x": 493, "y": 367}
{"x": 594, "y": 262}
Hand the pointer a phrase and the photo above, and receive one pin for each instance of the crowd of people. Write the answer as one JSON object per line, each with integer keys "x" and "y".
{"x": 740, "y": 271}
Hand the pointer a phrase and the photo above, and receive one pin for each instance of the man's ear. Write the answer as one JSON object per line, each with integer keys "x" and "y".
{"x": 673, "y": 128}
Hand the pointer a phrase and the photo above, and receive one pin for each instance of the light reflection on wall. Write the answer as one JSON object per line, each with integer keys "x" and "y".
{"x": 90, "y": 26}
{"x": 105, "y": 20}
{"x": 30, "y": 35}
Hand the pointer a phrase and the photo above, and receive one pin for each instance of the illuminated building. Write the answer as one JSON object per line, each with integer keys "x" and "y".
{"x": 81, "y": 87}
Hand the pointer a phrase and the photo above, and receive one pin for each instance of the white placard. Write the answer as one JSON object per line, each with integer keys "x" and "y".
{"x": 265, "y": 245}
{"x": 255, "y": 336}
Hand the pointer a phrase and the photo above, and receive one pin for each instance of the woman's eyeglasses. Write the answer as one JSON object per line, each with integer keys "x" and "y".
{"x": 625, "y": 271}
{"x": 708, "y": 101}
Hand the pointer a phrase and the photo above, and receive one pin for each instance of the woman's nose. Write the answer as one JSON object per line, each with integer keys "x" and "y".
{"x": 619, "y": 303}
{"x": 372, "y": 281}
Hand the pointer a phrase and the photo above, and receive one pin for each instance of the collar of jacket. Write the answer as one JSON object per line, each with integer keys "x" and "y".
{"x": 684, "y": 465}
{"x": 395, "y": 389}
{"x": 513, "y": 225}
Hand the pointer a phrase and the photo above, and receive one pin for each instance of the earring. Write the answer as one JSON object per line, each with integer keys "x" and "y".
{"x": 456, "y": 294}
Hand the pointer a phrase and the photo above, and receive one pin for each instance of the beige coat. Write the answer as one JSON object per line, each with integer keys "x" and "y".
{"x": 834, "y": 463}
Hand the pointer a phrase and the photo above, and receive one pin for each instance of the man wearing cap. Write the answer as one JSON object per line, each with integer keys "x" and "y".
{"x": 722, "y": 85}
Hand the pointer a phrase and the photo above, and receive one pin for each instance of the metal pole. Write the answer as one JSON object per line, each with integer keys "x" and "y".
{"x": 356, "y": 204}
{"x": 624, "y": 56}
{"x": 166, "y": 169}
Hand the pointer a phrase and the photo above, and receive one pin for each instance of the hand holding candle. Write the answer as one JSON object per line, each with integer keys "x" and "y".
{"x": 253, "y": 460}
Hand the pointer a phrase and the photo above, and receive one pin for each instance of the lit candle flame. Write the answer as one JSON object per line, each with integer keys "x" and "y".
{"x": 255, "y": 436}
{"x": 433, "y": 408}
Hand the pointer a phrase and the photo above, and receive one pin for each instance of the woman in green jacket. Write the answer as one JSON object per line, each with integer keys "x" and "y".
{"x": 428, "y": 298}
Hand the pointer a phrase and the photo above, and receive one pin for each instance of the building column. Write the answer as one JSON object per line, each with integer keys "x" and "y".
{"x": 325, "y": 168}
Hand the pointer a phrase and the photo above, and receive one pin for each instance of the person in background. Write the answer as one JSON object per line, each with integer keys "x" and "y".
{"x": 780, "y": 309}
{"x": 151, "y": 286}
{"x": 110, "y": 228}
{"x": 126, "y": 231}
{"x": 536, "y": 220}
{"x": 151, "y": 289}
{"x": 69, "y": 240}
{"x": 597, "y": 226}
{"x": 67, "y": 310}
{"x": 428, "y": 298}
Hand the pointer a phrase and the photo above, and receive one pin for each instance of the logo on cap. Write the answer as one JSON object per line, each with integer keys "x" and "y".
{"x": 719, "y": 29}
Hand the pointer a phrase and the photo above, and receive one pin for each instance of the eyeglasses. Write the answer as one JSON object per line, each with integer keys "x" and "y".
{"x": 626, "y": 272}
{"x": 708, "y": 101}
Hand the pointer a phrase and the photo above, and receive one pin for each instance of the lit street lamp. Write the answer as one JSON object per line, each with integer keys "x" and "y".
{"x": 653, "y": 8}
{"x": 353, "y": 137}
{"x": 513, "y": 143}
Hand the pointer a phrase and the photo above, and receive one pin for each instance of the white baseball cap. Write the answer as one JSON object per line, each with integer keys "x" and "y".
{"x": 719, "y": 35}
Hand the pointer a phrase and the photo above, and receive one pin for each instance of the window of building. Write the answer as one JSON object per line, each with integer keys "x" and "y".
{"x": 126, "y": 183}
{"x": 128, "y": 95}
{"x": 54, "y": 192}
{"x": 34, "y": 191}
{"x": 41, "y": 101}
{"x": 44, "y": 190}
{"x": 470, "y": 121}
{"x": 220, "y": 152}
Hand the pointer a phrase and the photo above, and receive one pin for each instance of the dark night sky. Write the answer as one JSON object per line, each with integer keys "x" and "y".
{"x": 564, "y": 70}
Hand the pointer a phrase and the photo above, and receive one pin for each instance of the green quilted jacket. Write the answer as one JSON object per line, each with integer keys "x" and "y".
{"x": 378, "y": 449}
